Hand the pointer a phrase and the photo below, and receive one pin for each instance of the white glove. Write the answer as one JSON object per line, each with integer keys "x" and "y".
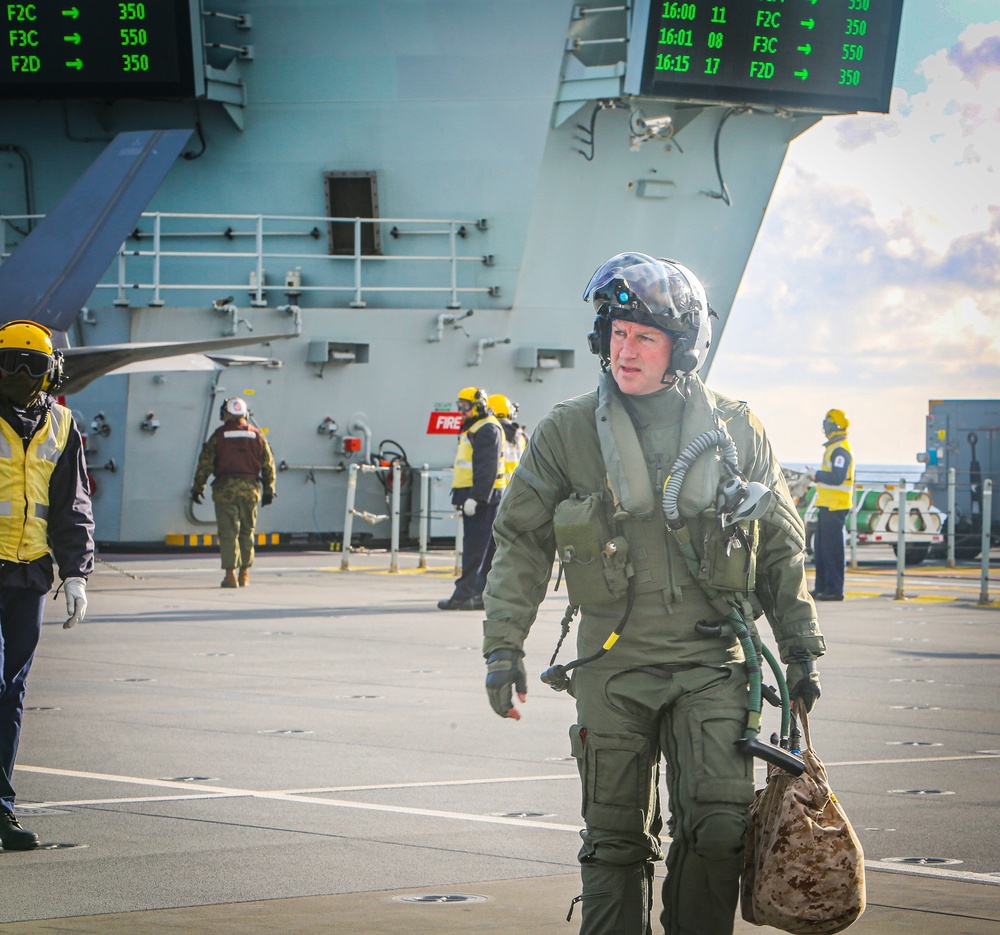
{"x": 469, "y": 507}
{"x": 76, "y": 600}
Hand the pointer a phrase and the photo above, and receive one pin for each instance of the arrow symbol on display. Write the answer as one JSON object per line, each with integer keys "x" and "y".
{"x": 805, "y": 49}
{"x": 808, "y": 23}
{"x": 76, "y": 63}
{"x": 72, "y": 12}
{"x": 802, "y": 74}
{"x": 75, "y": 38}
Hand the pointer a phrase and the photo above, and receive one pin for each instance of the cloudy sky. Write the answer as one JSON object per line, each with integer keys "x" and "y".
{"x": 877, "y": 268}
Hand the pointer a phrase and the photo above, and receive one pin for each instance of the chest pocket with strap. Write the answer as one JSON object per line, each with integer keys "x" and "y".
{"x": 594, "y": 561}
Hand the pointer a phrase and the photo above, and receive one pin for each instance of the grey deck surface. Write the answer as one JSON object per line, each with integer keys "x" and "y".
{"x": 299, "y": 755}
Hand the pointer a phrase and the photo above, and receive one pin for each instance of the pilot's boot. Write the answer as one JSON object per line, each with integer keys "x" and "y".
{"x": 229, "y": 581}
{"x": 244, "y": 577}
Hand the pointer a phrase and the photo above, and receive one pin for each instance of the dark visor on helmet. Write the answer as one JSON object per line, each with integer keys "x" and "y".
{"x": 16, "y": 360}
{"x": 615, "y": 269}
{"x": 661, "y": 288}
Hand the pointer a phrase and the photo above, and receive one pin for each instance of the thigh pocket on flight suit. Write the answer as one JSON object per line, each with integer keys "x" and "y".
{"x": 615, "y": 773}
{"x": 723, "y": 773}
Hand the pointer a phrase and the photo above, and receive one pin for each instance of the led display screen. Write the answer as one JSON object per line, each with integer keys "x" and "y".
{"x": 97, "y": 49}
{"x": 827, "y": 56}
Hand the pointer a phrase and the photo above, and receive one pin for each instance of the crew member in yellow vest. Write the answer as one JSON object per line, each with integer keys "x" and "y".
{"x": 477, "y": 486}
{"x": 515, "y": 438}
{"x": 45, "y": 511}
{"x": 514, "y": 443}
{"x": 834, "y": 490}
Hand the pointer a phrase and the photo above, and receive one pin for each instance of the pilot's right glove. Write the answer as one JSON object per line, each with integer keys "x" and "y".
{"x": 266, "y": 498}
{"x": 505, "y": 668}
{"x": 197, "y": 496}
{"x": 803, "y": 679}
{"x": 469, "y": 507}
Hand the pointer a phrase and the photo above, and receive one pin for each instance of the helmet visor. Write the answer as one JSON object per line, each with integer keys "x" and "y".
{"x": 660, "y": 286}
{"x": 34, "y": 363}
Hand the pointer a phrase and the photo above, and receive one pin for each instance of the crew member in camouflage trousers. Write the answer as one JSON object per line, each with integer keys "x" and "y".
{"x": 239, "y": 456}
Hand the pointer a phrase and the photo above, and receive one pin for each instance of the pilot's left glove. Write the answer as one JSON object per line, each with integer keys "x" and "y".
{"x": 266, "y": 499}
{"x": 469, "y": 507}
{"x": 76, "y": 600}
{"x": 803, "y": 679}
{"x": 197, "y": 496}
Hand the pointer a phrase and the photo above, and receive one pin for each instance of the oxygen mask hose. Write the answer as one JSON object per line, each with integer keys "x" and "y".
{"x": 749, "y": 744}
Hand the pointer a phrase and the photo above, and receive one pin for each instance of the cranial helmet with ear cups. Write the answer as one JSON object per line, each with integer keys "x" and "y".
{"x": 233, "y": 408}
{"x": 27, "y": 356}
{"x": 476, "y": 397}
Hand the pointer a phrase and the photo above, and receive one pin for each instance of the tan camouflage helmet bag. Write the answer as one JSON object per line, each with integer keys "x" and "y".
{"x": 803, "y": 869}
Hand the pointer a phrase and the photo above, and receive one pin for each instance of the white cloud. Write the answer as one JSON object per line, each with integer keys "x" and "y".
{"x": 875, "y": 282}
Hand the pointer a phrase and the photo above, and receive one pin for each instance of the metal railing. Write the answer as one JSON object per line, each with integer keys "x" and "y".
{"x": 425, "y": 475}
{"x": 258, "y": 242}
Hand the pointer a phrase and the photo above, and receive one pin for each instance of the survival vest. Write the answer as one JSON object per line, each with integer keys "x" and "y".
{"x": 836, "y": 497}
{"x": 239, "y": 450}
{"x": 24, "y": 484}
{"x": 463, "y": 457}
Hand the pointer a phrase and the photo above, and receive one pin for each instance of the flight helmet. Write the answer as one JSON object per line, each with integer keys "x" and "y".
{"x": 29, "y": 364}
{"x": 233, "y": 408}
{"x": 651, "y": 291}
{"x": 835, "y": 422}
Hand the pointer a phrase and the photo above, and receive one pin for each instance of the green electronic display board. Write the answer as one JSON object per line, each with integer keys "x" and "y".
{"x": 827, "y": 56}
{"x": 103, "y": 49}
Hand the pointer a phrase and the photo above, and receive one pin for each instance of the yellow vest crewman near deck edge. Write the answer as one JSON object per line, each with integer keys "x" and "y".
{"x": 834, "y": 491}
{"x": 667, "y": 694}
{"x": 45, "y": 513}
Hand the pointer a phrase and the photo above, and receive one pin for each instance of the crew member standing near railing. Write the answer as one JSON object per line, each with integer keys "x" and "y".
{"x": 834, "y": 489}
{"x": 478, "y": 484}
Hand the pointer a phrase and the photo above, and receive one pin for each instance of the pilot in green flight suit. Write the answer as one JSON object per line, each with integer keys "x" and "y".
{"x": 596, "y": 467}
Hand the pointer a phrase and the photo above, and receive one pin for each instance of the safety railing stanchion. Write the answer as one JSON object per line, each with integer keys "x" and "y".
{"x": 425, "y": 506}
{"x": 394, "y": 535}
{"x": 853, "y": 525}
{"x": 901, "y": 541}
{"x": 352, "y": 489}
{"x": 358, "y": 301}
{"x": 984, "y": 577}
{"x": 157, "y": 299}
{"x": 951, "y": 517}
{"x": 459, "y": 544}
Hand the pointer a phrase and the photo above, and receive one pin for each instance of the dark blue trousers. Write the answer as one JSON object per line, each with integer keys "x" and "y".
{"x": 477, "y": 533}
{"x": 20, "y": 629}
{"x": 829, "y": 550}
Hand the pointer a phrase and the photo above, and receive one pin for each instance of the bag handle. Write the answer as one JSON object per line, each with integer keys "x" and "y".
{"x": 803, "y": 717}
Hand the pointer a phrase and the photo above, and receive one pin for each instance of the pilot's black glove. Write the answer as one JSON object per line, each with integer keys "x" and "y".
{"x": 266, "y": 499}
{"x": 504, "y": 669}
{"x": 803, "y": 679}
{"x": 197, "y": 496}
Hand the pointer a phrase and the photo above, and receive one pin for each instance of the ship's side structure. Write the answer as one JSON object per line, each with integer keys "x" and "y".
{"x": 502, "y": 160}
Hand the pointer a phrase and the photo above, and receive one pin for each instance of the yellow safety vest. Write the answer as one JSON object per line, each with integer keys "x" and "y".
{"x": 463, "y": 458}
{"x": 512, "y": 451}
{"x": 24, "y": 485}
{"x": 836, "y": 497}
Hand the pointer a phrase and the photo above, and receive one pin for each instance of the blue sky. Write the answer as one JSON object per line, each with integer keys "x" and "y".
{"x": 874, "y": 284}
